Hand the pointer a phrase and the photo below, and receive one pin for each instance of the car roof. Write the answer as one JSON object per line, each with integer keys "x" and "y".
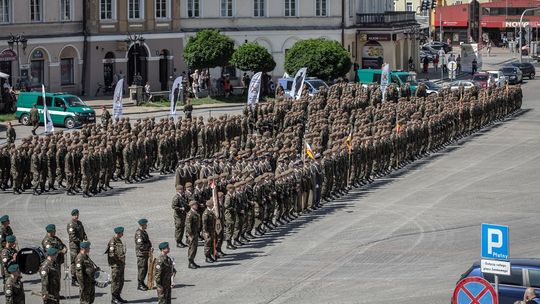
{"x": 481, "y": 73}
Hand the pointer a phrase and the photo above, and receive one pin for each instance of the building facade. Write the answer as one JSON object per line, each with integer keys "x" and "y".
{"x": 64, "y": 56}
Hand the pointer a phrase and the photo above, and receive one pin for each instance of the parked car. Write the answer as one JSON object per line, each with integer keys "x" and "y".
{"x": 65, "y": 109}
{"x": 313, "y": 85}
{"x": 367, "y": 76}
{"x": 424, "y": 55}
{"x": 467, "y": 84}
{"x": 524, "y": 273}
{"x": 437, "y": 45}
{"x": 429, "y": 50}
{"x": 526, "y": 68}
{"x": 498, "y": 77}
{"x": 432, "y": 87}
{"x": 513, "y": 74}
{"x": 481, "y": 78}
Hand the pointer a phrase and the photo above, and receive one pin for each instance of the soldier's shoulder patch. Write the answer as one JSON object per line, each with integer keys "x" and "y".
{"x": 111, "y": 248}
{"x": 78, "y": 265}
{"x": 4, "y": 260}
{"x": 139, "y": 240}
{"x": 43, "y": 272}
{"x": 70, "y": 229}
{"x": 48, "y": 245}
{"x": 8, "y": 290}
{"x": 158, "y": 267}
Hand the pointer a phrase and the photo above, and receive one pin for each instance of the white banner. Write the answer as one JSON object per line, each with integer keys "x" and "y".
{"x": 298, "y": 83}
{"x": 385, "y": 79}
{"x": 117, "y": 99}
{"x": 47, "y": 121}
{"x": 254, "y": 89}
{"x": 176, "y": 90}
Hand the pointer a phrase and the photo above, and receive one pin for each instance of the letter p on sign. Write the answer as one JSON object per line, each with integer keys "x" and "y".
{"x": 495, "y": 243}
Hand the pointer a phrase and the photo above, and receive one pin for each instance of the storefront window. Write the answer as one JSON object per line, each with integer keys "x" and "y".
{"x": 37, "y": 70}
{"x": 66, "y": 71}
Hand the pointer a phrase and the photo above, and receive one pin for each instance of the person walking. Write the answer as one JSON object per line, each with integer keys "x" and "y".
{"x": 34, "y": 119}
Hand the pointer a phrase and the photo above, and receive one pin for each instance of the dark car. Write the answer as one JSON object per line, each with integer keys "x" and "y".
{"x": 524, "y": 273}
{"x": 513, "y": 74}
{"x": 526, "y": 68}
{"x": 429, "y": 50}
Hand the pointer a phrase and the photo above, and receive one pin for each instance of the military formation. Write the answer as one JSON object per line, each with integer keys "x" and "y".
{"x": 237, "y": 177}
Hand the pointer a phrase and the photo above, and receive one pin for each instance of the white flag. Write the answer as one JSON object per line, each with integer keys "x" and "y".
{"x": 117, "y": 99}
{"x": 298, "y": 83}
{"x": 385, "y": 79}
{"x": 176, "y": 90}
{"x": 254, "y": 89}
{"x": 47, "y": 121}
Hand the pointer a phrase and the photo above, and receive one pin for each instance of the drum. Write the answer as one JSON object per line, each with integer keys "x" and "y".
{"x": 29, "y": 259}
{"x": 102, "y": 279}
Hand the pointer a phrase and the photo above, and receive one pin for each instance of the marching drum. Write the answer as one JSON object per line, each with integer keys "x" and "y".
{"x": 29, "y": 259}
{"x": 102, "y": 279}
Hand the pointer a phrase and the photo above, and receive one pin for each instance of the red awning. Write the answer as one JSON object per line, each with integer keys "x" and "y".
{"x": 453, "y": 15}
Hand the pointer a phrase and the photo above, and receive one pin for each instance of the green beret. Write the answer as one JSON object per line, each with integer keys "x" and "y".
{"x": 119, "y": 230}
{"x": 13, "y": 268}
{"x": 192, "y": 203}
{"x": 11, "y": 239}
{"x": 4, "y": 218}
{"x": 143, "y": 221}
{"x": 50, "y": 227}
{"x": 85, "y": 245}
{"x": 52, "y": 251}
{"x": 74, "y": 211}
{"x": 163, "y": 245}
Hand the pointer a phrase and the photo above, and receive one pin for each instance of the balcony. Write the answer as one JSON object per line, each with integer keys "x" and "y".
{"x": 387, "y": 19}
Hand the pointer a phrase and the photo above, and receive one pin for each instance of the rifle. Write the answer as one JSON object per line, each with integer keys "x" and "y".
{"x": 151, "y": 272}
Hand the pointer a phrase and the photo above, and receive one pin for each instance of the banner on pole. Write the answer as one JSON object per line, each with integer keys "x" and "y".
{"x": 298, "y": 83}
{"x": 385, "y": 79}
{"x": 117, "y": 99}
{"x": 176, "y": 90}
{"x": 254, "y": 89}
{"x": 47, "y": 121}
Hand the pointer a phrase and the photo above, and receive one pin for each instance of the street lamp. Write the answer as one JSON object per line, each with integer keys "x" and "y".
{"x": 136, "y": 40}
{"x": 16, "y": 40}
{"x": 521, "y": 30}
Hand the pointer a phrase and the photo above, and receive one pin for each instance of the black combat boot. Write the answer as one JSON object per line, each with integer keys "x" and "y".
{"x": 230, "y": 245}
{"x": 209, "y": 259}
{"x": 142, "y": 286}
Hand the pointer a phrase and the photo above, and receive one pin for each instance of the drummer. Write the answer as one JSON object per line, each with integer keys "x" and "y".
{"x": 8, "y": 255}
{"x": 50, "y": 277}
{"x": 52, "y": 241}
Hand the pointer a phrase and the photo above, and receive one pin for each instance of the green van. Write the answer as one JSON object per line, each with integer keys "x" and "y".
{"x": 65, "y": 109}
{"x": 368, "y": 76}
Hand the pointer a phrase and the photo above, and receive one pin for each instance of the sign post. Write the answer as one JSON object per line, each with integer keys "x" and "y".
{"x": 452, "y": 67}
{"x": 495, "y": 251}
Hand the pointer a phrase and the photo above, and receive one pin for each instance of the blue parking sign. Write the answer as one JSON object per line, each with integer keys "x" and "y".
{"x": 495, "y": 243}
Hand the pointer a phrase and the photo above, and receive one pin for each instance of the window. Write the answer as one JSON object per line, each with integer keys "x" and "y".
{"x": 409, "y": 7}
{"x": 194, "y": 8}
{"x": 229, "y": 71}
{"x": 226, "y": 8}
{"x": 351, "y": 8}
{"x": 66, "y": 71}
{"x": 534, "y": 277}
{"x": 258, "y": 8}
{"x": 48, "y": 100}
{"x": 135, "y": 8}
{"x": 5, "y": 11}
{"x": 59, "y": 103}
{"x": 65, "y": 10}
{"x": 321, "y": 8}
{"x": 162, "y": 9}
{"x": 516, "y": 277}
{"x": 290, "y": 8}
{"x": 37, "y": 70}
{"x": 35, "y": 10}
{"x": 107, "y": 9}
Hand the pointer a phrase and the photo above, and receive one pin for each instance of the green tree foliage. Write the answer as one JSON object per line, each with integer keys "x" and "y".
{"x": 208, "y": 49}
{"x": 253, "y": 57}
{"x": 325, "y": 59}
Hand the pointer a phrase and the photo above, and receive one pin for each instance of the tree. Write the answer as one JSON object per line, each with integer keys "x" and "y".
{"x": 208, "y": 49}
{"x": 325, "y": 59}
{"x": 253, "y": 57}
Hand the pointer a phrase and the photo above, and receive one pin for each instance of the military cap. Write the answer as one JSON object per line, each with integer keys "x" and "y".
{"x": 4, "y": 218}
{"x": 52, "y": 251}
{"x": 85, "y": 245}
{"x": 74, "y": 211}
{"x": 142, "y": 221}
{"x": 11, "y": 239}
{"x": 163, "y": 245}
{"x": 188, "y": 184}
{"x": 119, "y": 230}
{"x": 50, "y": 228}
{"x": 13, "y": 268}
{"x": 209, "y": 203}
{"x": 191, "y": 203}
{"x": 230, "y": 186}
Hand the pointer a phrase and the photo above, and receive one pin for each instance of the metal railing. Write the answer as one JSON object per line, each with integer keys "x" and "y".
{"x": 386, "y": 18}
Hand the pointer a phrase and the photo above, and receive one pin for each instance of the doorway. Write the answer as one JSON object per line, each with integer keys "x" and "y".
{"x": 164, "y": 69}
{"x": 137, "y": 63}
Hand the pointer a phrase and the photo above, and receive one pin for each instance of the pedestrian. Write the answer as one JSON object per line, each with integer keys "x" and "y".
{"x": 458, "y": 62}
{"x": 34, "y": 119}
{"x": 489, "y": 48}
{"x": 105, "y": 117}
{"x": 76, "y": 235}
{"x": 474, "y": 66}
{"x": 14, "y": 289}
{"x": 193, "y": 223}
{"x": 530, "y": 296}
{"x": 425, "y": 65}
{"x": 164, "y": 273}
{"x": 245, "y": 83}
{"x": 116, "y": 257}
{"x": 147, "y": 92}
{"x": 436, "y": 62}
{"x": 11, "y": 135}
{"x": 143, "y": 247}
{"x": 50, "y": 277}
{"x": 86, "y": 274}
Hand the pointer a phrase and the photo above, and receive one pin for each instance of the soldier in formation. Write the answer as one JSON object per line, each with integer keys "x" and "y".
{"x": 164, "y": 273}
{"x": 14, "y": 289}
{"x": 50, "y": 277}
{"x": 143, "y": 247}
{"x": 116, "y": 257}
{"x": 77, "y": 236}
{"x": 85, "y": 270}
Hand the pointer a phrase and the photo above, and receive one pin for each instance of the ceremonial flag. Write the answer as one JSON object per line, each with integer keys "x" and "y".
{"x": 298, "y": 83}
{"x": 385, "y": 79}
{"x": 309, "y": 151}
{"x": 254, "y": 89}
{"x": 176, "y": 90}
{"x": 117, "y": 99}
{"x": 47, "y": 121}
{"x": 398, "y": 127}
{"x": 348, "y": 141}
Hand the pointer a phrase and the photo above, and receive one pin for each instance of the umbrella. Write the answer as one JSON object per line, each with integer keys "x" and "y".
{"x": 4, "y": 75}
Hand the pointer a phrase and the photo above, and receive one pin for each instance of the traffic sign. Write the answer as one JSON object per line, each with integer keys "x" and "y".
{"x": 474, "y": 290}
{"x": 495, "y": 267}
{"x": 495, "y": 243}
{"x": 452, "y": 66}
